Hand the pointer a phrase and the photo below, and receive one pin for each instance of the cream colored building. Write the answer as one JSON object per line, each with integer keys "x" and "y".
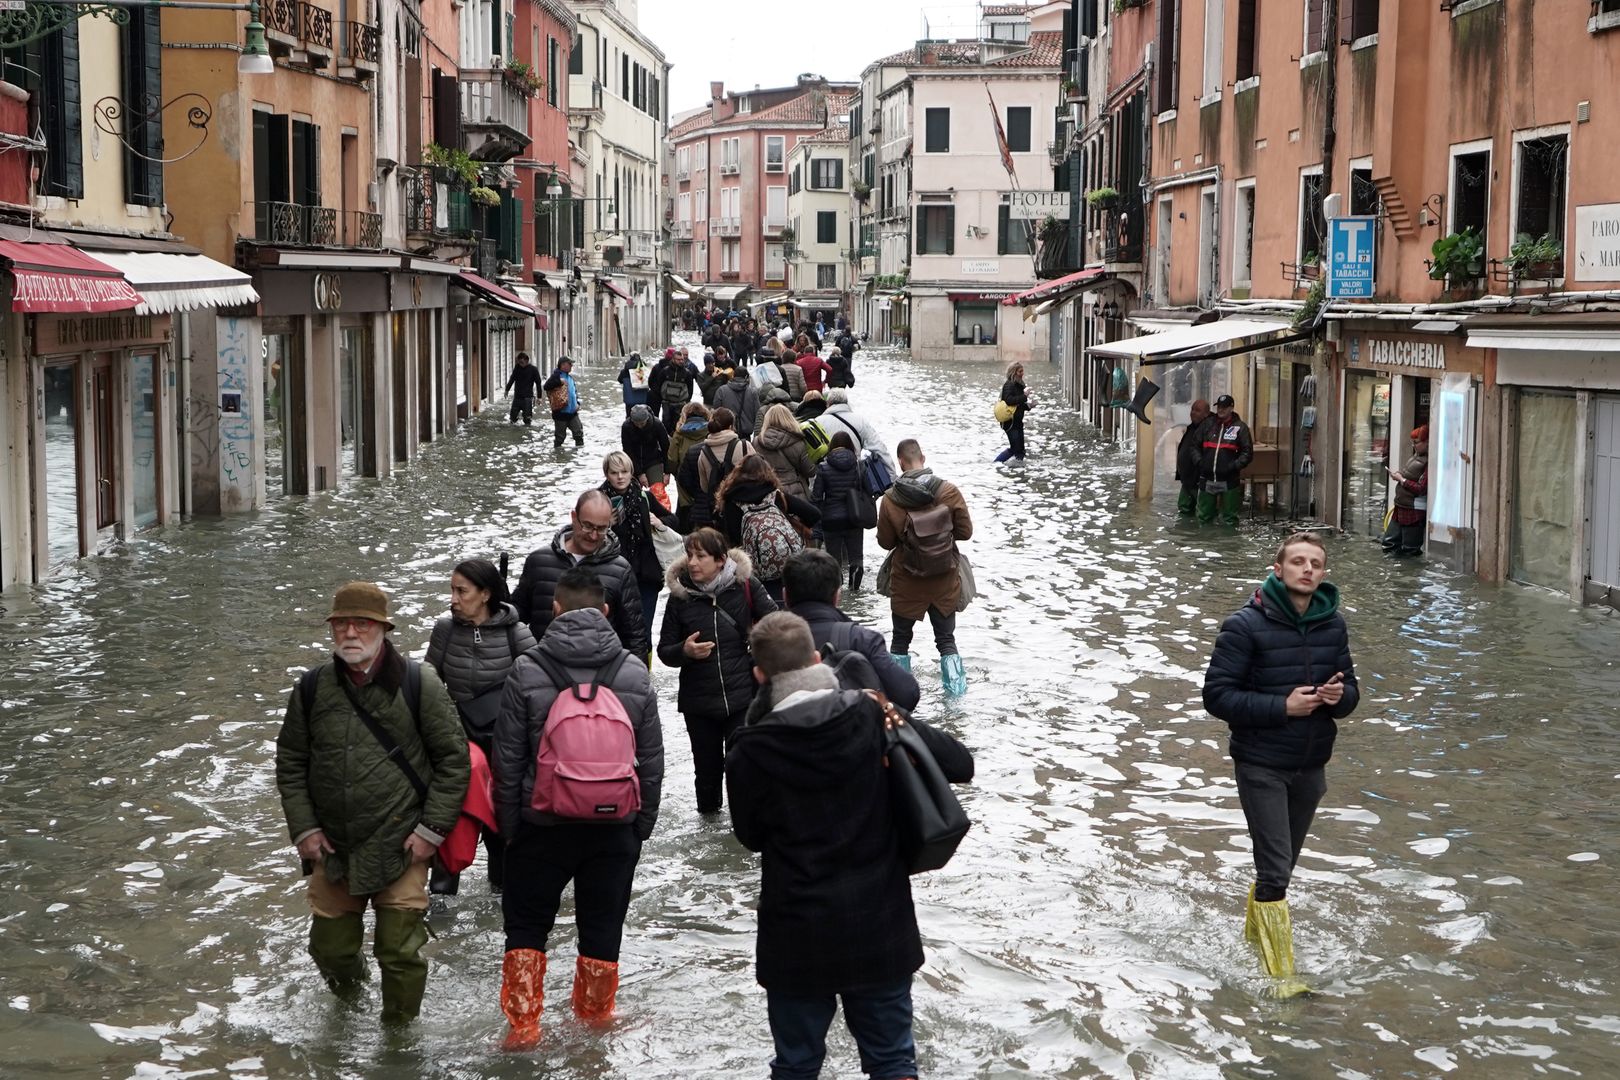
{"x": 819, "y": 213}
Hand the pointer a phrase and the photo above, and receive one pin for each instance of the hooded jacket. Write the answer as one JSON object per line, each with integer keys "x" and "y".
{"x": 723, "y": 683}
{"x": 1263, "y": 653}
{"x": 741, "y": 398}
{"x": 474, "y": 659}
{"x": 583, "y": 642}
{"x": 1227, "y": 448}
{"x": 860, "y": 429}
{"x": 808, "y": 791}
{"x": 835, "y": 476}
{"x": 647, "y": 444}
{"x": 793, "y": 380}
{"x": 688, "y": 435}
{"x": 909, "y": 596}
{"x": 789, "y": 456}
{"x": 545, "y": 567}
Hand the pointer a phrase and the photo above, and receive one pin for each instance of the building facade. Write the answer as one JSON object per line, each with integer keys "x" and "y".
{"x": 819, "y": 202}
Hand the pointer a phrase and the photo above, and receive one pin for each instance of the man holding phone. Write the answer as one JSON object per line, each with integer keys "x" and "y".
{"x": 1280, "y": 676}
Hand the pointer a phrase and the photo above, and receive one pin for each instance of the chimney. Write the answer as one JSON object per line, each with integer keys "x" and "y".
{"x": 717, "y": 90}
{"x": 930, "y": 56}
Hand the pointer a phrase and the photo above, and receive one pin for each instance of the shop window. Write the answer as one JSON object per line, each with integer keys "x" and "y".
{"x": 827, "y": 275}
{"x": 1363, "y": 196}
{"x": 1543, "y": 175}
{"x": 937, "y": 131}
{"x": 936, "y": 230}
{"x": 826, "y": 226}
{"x": 975, "y": 324}
{"x": 1470, "y": 191}
{"x": 1018, "y": 128}
{"x": 1544, "y": 490}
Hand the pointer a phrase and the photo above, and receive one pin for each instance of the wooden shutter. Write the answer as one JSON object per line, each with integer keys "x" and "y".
{"x": 838, "y": 173}
{"x": 920, "y": 242}
{"x": 143, "y": 95}
{"x": 1247, "y": 27}
{"x": 280, "y": 128}
{"x": 1314, "y": 29}
{"x": 64, "y": 133}
{"x": 1002, "y": 219}
{"x": 950, "y": 230}
{"x": 446, "y": 111}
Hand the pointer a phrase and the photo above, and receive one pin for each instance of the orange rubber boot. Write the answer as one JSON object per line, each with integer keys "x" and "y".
{"x": 523, "y": 994}
{"x": 596, "y": 984}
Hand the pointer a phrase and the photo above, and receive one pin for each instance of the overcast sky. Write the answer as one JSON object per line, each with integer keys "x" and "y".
{"x": 744, "y": 43}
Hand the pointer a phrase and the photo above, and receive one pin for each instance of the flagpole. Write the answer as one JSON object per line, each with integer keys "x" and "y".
{"x": 1012, "y": 176}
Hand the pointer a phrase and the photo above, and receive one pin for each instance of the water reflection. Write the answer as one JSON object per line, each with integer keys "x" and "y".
{"x": 1454, "y": 904}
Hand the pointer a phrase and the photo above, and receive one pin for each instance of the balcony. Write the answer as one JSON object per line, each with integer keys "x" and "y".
{"x": 297, "y": 225}
{"x": 682, "y": 175}
{"x": 1053, "y": 259}
{"x": 436, "y": 214}
{"x": 773, "y": 227}
{"x": 682, "y": 230}
{"x": 638, "y": 247}
{"x": 725, "y": 226}
{"x": 1122, "y": 234}
{"x": 362, "y": 229}
{"x": 362, "y": 49}
{"x": 299, "y": 32}
{"x": 729, "y": 168}
{"x": 494, "y": 115}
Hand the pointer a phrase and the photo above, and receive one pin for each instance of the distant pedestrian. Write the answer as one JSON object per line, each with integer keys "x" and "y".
{"x": 810, "y": 793}
{"x": 1280, "y": 675}
{"x": 647, "y": 443}
{"x": 810, "y": 589}
{"x": 714, "y": 600}
{"x": 814, "y": 370}
{"x": 921, "y": 520}
{"x": 706, "y": 466}
{"x": 742, "y": 398}
{"x": 521, "y": 384}
{"x": 671, "y": 387}
{"x": 587, "y": 540}
{"x": 690, "y": 431}
{"x": 838, "y": 481}
{"x": 564, "y": 399}
{"x": 372, "y": 767}
{"x": 543, "y": 730}
{"x": 1404, "y": 534}
{"x": 1227, "y": 450}
{"x": 1188, "y": 453}
{"x": 633, "y": 376}
{"x": 1014, "y": 394}
{"x": 472, "y": 649}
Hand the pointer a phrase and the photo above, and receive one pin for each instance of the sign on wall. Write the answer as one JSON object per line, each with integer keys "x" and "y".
{"x": 1035, "y": 205}
{"x": 1597, "y": 242}
{"x": 981, "y": 266}
{"x": 1350, "y": 257}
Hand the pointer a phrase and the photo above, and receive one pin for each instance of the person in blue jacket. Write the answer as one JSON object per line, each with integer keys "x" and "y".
{"x": 566, "y": 418}
{"x": 1280, "y": 676}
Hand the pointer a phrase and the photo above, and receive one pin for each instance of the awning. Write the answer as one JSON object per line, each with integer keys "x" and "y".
{"x": 729, "y": 293}
{"x": 528, "y": 294}
{"x": 1048, "y": 289}
{"x": 1185, "y": 342}
{"x": 491, "y": 293}
{"x": 1585, "y": 332}
{"x": 616, "y": 289}
{"x": 681, "y": 283}
{"x": 769, "y": 300}
{"x": 817, "y": 303}
{"x": 173, "y": 283}
{"x": 60, "y": 277}
{"x": 556, "y": 280}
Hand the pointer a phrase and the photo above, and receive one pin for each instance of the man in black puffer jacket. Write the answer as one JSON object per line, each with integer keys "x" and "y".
{"x": 588, "y": 541}
{"x": 1281, "y": 674}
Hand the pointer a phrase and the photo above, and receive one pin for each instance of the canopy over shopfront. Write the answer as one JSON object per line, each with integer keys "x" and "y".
{"x": 1201, "y": 341}
{"x": 170, "y": 283}
{"x": 728, "y": 293}
{"x": 616, "y": 289}
{"x": 1056, "y": 288}
{"x": 682, "y": 284}
{"x": 769, "y": 301}
{"x": 817, "y": 303}
{"x": 493, "y": 294}
{"x": 61, "y": 278}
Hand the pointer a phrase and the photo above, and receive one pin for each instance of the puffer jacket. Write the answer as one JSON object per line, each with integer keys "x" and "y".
{"x": 333, "y": 774}
{"x": 723, "y": 683}
{"x": 475, "y": 659}
{"x": 741, "y": 398}
{"x": 1265, "y": 652}
{"x": 792, "y": 380}
{"x": 582, "y": 642}
{"x": 835, "y": 476}
{"x": 545, "y": 567}
{"x": 788, "y": 455}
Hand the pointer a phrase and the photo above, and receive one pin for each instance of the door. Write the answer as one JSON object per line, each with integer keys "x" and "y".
{"x": 62, "y": 431}
{"x": 104, "y": 423}
{"x": 1603, "y": 569}
{"x": 1366, "y": 451}
{"x": 146, "y": 464}
{"x": 1452, "y": 426}
{"x": 397, "y": 324}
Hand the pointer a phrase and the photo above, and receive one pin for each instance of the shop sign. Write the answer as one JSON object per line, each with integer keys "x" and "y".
{"x": 977, "y": 297}
{"x": 1597, "y": 242}
{"x": 409, "y": 292}
{"x": 981, "y": 266}
{"x": 83, "y": 333}
{"x": 328, "y": 292}
{"x": 1350, "y": 257}
{"x": 1036, "y": 205}
{"x": 302, "y": 292}
{"x": 1382, "y": 353}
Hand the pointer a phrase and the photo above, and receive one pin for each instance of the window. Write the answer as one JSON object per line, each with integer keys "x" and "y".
{"x": 826, "y": 275}
{"x": 552, "y": 57}
{"x": 826, "y": 226}
{"x": 1165, "y": 210}
{"x": 1167, "y": 55}
{"x": 775, "y": 150}
{"x": 1543, "y": 171}
{"x": 1018, "y": 128}
{"x": 49, "y": 70}
{"x": 624, "y": 76}
{"x": 1315, "y": 26}
{"x": 730, "y": 154}
{"x": 868, "y": 164}
{"x": 776, "y": 206}
{"x": 1014, "y": 237}
{"x": 1208, "y": 272}
{"x": 793, "y": 181}
{"x": 775, "y": 262}
{"x": 975, "y": 323}
{"x": 826, "y": 174}
{"x": 1363, "y": 195}
{"x": 683, "y": 206}
{"x": 1215, "y": 46}
{"x": 745, "y": 105}
{"x": 683, "y": 161}
{"x": 1358, "y": 19}
{"x": 143, "y": 93}
{"x": 1470, "y": 190}
{"x": 1243, "y": 234}
{"x": 936, "y": 229}
{"x": 730, "y": 256}
{"x": 576, "y": 57}
{"x": 937, "y": 131}
{"x": 701, "y": 201}
{"x": 1312, "y": 227}
{"x": 1248, "y": 30}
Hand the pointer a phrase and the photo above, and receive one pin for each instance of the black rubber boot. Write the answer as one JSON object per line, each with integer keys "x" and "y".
{"x": 855, "y": 575}
{"x": 398, "y": 946}
{"x": 495, "y": 852}
{"x": 335, "y": 945}
{"x": 1146, "y": 391}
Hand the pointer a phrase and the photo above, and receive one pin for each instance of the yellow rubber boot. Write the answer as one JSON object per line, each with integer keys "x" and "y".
{"x": 1275, "y": 934}
{"x": 1251, "y": 929}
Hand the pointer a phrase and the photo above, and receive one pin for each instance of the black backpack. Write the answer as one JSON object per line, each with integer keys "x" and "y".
{"x": 854, "y": 670}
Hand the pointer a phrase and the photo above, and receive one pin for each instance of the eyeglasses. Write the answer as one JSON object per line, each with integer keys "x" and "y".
{"x": 591, "y": 528}
{"x": 355, "y": 626}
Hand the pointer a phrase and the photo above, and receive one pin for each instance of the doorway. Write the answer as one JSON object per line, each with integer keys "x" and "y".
{"x": 146, "y": 464}
{"x": 62, "y": 540}
{"x": 358, "y": 417}
{"x": 1366, "y": 451}
{"x": 104, "y": 423}
{"x": 285, "y": 461}
{"x": 1603, "y": 559}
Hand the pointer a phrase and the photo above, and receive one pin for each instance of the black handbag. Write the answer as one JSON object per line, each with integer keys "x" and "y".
{"x": 861, "y": 508}
{"x": 930, "y": 820}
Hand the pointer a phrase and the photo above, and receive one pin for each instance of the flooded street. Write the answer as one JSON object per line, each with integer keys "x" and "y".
{"x": 1455, "y": 904}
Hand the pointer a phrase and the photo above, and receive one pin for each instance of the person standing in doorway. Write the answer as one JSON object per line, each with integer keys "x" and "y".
{"x": 522, "y": 383}
{"x": 1014, "y": 393}
{"x": 1227, "y": 450}
{"x": 1404, "y": 536}
{"x": 1188, "y": 453}
{"x": 564, "y": 399}
{"x": 1280, "y": 676}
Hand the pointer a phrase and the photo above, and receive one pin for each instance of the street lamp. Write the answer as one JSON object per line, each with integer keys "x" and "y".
{"x": 255, "y": 58}
{"x": 21, "y": 24}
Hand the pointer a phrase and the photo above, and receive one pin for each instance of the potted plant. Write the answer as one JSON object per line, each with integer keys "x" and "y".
{"x": 450, "y": 165}
{"x": 1536, "y": 256}
{"x": 1103, "y": 198}
{"x": 524, "y": 77}
{"x": 1051, "y": 226}
{"x": 484, "y": 196}
{"x": 1071, "y": 89}
{"x": 787, "y": 234}
{"x": 862, "y": 190}
{"x": 1458, "y": 258}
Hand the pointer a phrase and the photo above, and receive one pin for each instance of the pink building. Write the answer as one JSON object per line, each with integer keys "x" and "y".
{"x": 731, "y": 183}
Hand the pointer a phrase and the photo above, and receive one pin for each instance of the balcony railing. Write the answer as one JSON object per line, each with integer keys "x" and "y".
{"x": 321, "y": 226}
{"x": 362, "y": 229}
{"x": 494, "y": 114}
{"x": 420, "y": 199}
{"x": 729, "y": 168}
{"x": 726, "y": 226}
{"x": 301, "y": 32}
{"x": 638, "y": 245}
{"x": 315, "y": 26}
{"x": 281, "y": 20}
{"x": 1122, "y": 234}
{"x": 683, "y": 174}
{"x": 298, "y": 225}
{"x": 362, "y": 46}
{"x": 1053, "y": 259}
{"x": 682, "y": 229}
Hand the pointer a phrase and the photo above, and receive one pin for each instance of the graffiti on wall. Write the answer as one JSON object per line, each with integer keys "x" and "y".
{"x": 235, "y": 406}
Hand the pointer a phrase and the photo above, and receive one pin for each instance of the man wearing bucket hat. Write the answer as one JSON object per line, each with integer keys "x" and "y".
{"x": 372, "y": 767}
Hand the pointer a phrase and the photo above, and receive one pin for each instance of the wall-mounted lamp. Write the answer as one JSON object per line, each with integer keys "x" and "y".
{"x": 1429, "y": 212}
{"x": 1109, "y": 310}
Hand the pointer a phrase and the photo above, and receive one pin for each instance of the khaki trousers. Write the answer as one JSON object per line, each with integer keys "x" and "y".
{"x": 408, "y": 892}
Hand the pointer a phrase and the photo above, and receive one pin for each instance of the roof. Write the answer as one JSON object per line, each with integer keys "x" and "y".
{"x": 839, "y": 133}
{"x": 800, "y": 109}
{"x": 1044, "y": 49}
{"x": 991, "y": 10}
{"x": 690, "y": 124}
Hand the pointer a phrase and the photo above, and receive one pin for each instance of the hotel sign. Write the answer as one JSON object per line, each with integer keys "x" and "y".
{"x": 1036, "y": 205}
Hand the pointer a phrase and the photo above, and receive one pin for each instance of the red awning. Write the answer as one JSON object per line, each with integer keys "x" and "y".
{"x": 608, "y": 284}
{"x": 492, "y": 293}
{"x": 60, "y": 277}
{"x": 1046, "y": 290}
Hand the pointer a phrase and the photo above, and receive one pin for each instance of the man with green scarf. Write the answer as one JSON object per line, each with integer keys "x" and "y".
{"x": 1280, "y": 675}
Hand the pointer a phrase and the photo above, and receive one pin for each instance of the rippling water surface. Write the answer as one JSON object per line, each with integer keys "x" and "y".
{"x": 1455, "y": 905}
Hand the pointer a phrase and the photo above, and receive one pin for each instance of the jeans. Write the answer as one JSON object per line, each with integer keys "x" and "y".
{"x": 540, "y": 862}
{"x": 1279, "y": 805}
{"x": 1015, "y": 440}
{"x": 845, "y": 545}
{"x": 878, "y": 1016}
{"x": 1227, "y": 504}
{"x": 524, "y": 405}
{"x": 711, "y": 737}
{"x": 649, "y": 600}
{"x": 944, "y": 632}
{"x": 566, "y": 422}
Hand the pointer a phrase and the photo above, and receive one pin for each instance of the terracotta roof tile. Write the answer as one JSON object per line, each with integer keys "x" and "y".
{"x": 1045, "y": 50}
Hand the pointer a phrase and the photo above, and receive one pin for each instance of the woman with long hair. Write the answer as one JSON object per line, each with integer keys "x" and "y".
{"x": 633, "y": 509}
{"x": 473, "y": 649}
{"x": 1014, "y": 394}
{"x": 780, "y": 521}
{"x": 781, "y": 443}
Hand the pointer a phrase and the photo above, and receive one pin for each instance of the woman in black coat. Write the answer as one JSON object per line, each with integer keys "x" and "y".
{"x": 714, "y": 602}
{"x": 838, "y": 474}
{"x": 633, "y": 509}
{"x": 1014, "y": 394}
{"x": 752, "y": 482}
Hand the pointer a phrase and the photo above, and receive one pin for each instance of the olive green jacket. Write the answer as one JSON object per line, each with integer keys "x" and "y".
{"x": 334, "y": 775}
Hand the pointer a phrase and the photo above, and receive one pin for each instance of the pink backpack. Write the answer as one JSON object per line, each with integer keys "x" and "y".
{"x": 586, "y": 767}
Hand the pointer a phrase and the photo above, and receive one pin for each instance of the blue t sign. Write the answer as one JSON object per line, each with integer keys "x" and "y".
{"x": 1350, "y": 257}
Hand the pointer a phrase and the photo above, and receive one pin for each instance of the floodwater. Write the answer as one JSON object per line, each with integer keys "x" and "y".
{"x": 1455, "y": 906}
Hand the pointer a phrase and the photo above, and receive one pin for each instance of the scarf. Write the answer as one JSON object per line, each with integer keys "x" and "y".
{"x": 804, "y": 681}
{"x": 720, "y": 582}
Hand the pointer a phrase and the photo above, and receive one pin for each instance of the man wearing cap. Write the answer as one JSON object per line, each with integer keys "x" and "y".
{"x": 565, "y": 403}
{"x": 647, "y": 443}
{"x": 523, "y": 382}
{"x": 372, "y": 767}
{"x": 1227, "y": 450}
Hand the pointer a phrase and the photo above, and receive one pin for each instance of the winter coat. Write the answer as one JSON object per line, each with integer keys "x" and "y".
{"x": 723, "y": 683}
{"x": 545, "y": 567}
{"x": 633, "y": 395}
{"x": 633, "y": 509}
{"x": 647, "y": 444}
{"x": 813, "y": 369}
{"x": 731, "y": 515}
{"x": 842, "y": 417}
{"x": 1265, "y": 652}
{"x": 1414, "y": 482}
{"x": 333, "y": 774}
{"x": 682, "y": 378}
{"x": 583, "y": 642}
{"x": 741, "y": 398}
{"x": 835, "y": 476}
{"x": 847, "y": 344}
{"x": 690, "y": 434}
{"x": 898, "y": 683}
{"x": 559, "y": 378}
{"x": 472, "y": 660}
{"x": 1014, "y": 394}
{"x": 811, "y": 409}
{"x": 808, "y": 791}
{"x": 710, "y": 382}
{"x": 840, "y": 372}
{"x": 790, "y": 457}
{"x": 1227, "y": 449}
{"x": 724, "y": 445}
{"x": 910, "y": 596}
{"x": 1188, "y": 453}
{"x": 525, "y": 378}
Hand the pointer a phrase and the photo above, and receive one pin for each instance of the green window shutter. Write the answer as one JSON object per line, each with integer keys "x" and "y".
{"x": 60, "y": 109}
{"x": 1002, "y": 219}
{"x": 920, "y": 239}
{"x": 142, "y": 60}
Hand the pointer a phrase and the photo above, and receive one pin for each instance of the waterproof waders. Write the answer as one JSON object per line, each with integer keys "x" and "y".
{"x": 523, "y": 995}
{"x": 335, "y": 945}
{"x": 400, "y": 936}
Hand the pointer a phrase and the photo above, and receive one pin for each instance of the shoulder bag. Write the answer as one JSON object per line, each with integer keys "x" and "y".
{"x": 927, "y": 814}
